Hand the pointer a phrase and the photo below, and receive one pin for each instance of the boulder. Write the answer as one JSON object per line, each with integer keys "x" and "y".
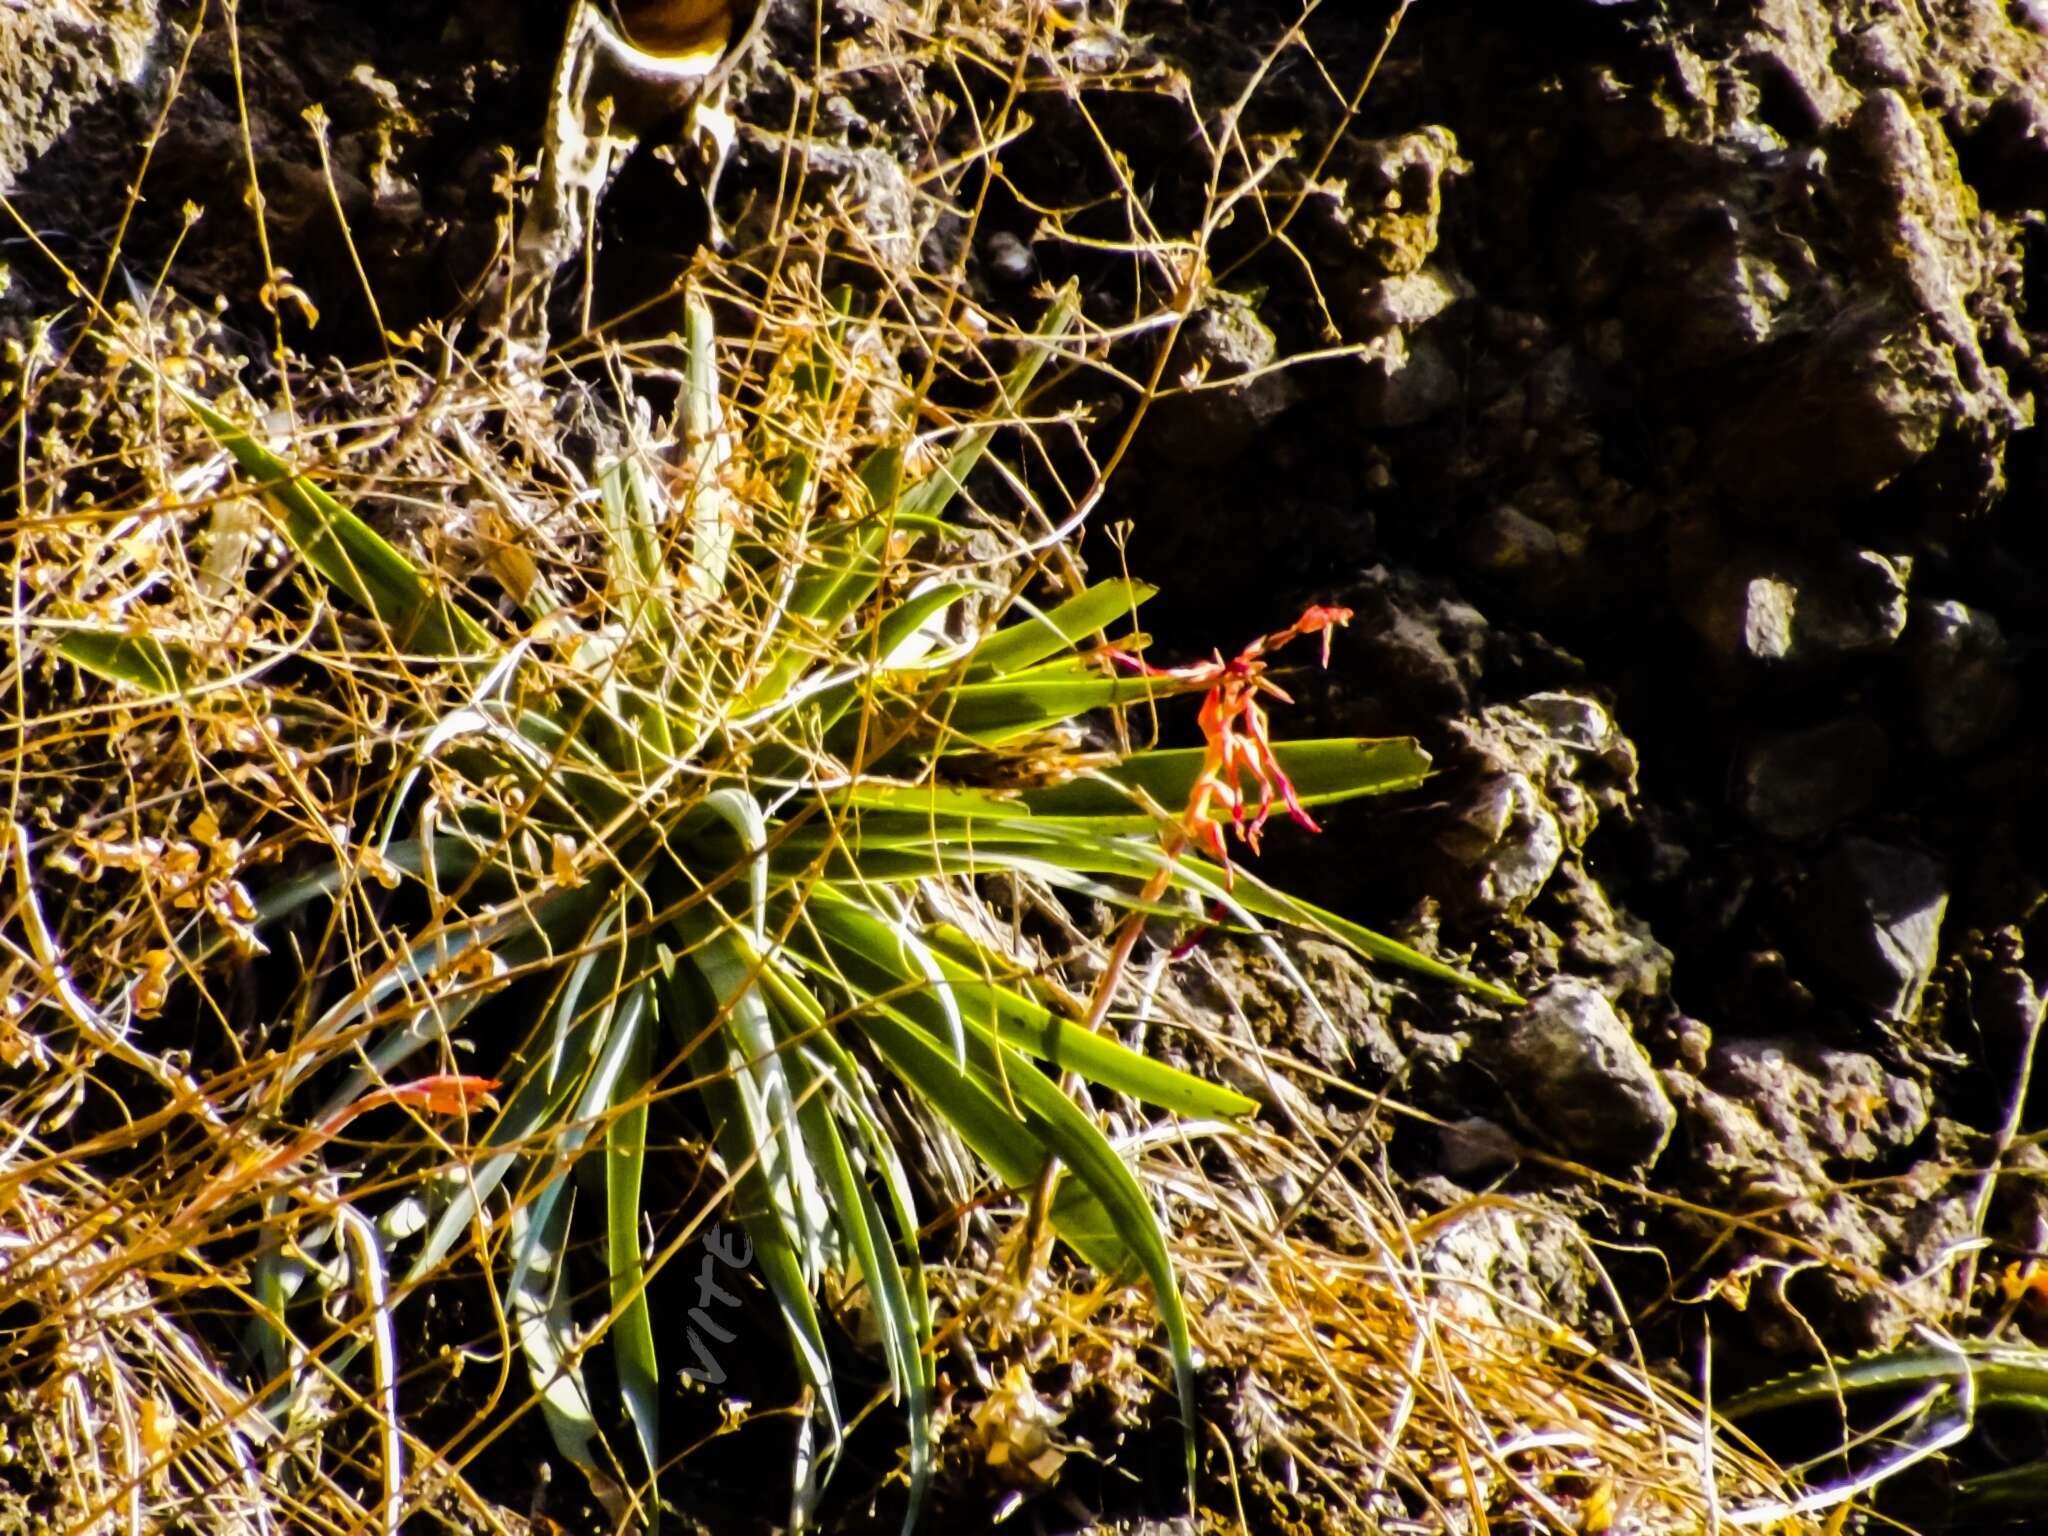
{"x": 1570, "y": 1067}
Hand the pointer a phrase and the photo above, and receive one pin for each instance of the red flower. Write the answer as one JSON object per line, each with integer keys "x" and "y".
{"x": 1234, "y": 724}
{"x": 443, "y": 1093}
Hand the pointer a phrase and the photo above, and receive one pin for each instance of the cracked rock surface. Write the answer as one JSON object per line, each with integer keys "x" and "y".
{"x": 1673, "y": 436}
{"x": 1703, "y": 549}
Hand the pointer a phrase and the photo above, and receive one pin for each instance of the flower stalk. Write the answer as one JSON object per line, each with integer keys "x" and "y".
{"x": 1239, "y": 742}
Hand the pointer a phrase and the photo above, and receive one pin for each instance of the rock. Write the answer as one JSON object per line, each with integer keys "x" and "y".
{"x": 1790, "y": 609}
{"x": 1505, "y": 1266}
{"x": 1509, "y": 840}
{"x": 1938, "y": 245}
{"x": 1213, "y": 419}
{"x": 1895, "y": 360}
{"x": 1752, "y": 618}
{"x": 1854, "y": 606}
{"x": 56, "y": 58}
{"x": 1884, "y": 411}
{"x": 1551, "y": 766}
{"x": 1380, "y": 213}
{"x": 1412, "y": 298}
{"x": 896, "y": 219}
{"x": 1475, "y": 1145}
{"x": 418, "y": 113}
{"x": 1964, "y": 691}
{"x": 1417, "y": 650}
{"x": 1006, "y": 256}
{"x": 1507, "y": 541}
{"x": 1871, "y": 914}
{"x": 1603, "y": 941}
{"x": 1436, "y": 1066}
{"x": 1582, "y": 724}
{"x": 1322, "y": 1004}
{"x": 1571, "y": 1068}
{"x": 1692, "y": 1041}
{"x": 1372, "y": 225}
{"x": 1781, "y": 1123}
{"x": 1799, "y": 784}
{"x": 1818, "y": 1104}
{"x": 1407, "y": 380}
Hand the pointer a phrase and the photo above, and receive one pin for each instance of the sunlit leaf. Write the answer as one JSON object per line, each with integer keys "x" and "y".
{"x": 1020, "y": 645}
{"x": 346, "y": 550}
{"x": 633, "y": 1322}
{"x": 143, "y": 662}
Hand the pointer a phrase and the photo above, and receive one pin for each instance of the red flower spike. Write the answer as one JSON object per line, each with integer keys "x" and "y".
{"x": 443, "y": 1093}
{"x": 1235, "y": 726}
{"x": 1318, "y": 619}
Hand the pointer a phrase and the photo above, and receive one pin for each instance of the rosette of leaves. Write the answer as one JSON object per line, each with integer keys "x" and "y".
{"x": 689, "y": 809}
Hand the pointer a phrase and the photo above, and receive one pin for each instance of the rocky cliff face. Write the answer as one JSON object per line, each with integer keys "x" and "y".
{"x": 1688, "y": 488}
{"x": 1672, "y": 433}
{"x": 58, "y": 58}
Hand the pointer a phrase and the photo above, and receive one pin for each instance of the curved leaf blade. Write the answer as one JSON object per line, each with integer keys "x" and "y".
{"x": 1322, "y": 771}
{"x": 632, "y": 1331}
{"x": 141, "y": 662}
{"x": 1017, "y": 646}
{"x": 345, "y": 549}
